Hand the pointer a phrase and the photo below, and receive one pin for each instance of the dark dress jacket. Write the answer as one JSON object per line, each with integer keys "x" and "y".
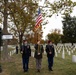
{"x": 26, "y": 51}
{"x": 50, "y": 48}
{"x": 16, "y": 49}
{"x": 41, "y": 50}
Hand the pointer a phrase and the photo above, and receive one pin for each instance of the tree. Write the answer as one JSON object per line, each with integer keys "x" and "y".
{"x": 15, "y": 8}
{"x": 5, "y": 50}
{"x": 55, "y": 36}
{"x": 59, "y": 7}
{"x": 69, "y": 29}
{"x": 23, "y": 16}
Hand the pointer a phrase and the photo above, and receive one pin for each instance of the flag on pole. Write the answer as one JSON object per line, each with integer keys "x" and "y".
{"x": 38, "y": 20}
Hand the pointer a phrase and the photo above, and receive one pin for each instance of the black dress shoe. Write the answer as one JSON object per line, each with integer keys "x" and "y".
{"x": 38, "y": 70}
{"x": 25, "y": 70}
{"x": 51, "y": 69}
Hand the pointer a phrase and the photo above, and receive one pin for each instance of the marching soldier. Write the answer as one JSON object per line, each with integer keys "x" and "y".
{"x": 50, "y": 54}
{"x": 38, "y": 55}
{"x": 26, "y": 53}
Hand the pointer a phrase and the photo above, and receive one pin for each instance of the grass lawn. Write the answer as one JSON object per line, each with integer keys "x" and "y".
{"x": 61, "y": 66}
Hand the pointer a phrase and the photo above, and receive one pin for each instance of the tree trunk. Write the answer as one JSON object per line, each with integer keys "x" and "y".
{"x": 20, "y": 40}
{"x": 5, "y": 50}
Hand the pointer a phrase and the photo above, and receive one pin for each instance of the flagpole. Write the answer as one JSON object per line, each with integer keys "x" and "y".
{"x": 38, "y": 33}
{"x": 38, "y": 23}
{"x": 37, "y": 37}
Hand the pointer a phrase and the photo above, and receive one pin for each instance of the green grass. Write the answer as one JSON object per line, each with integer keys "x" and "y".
{"x": 61, "y": 66}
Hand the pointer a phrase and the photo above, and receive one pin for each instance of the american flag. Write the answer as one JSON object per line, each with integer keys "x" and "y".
{"x": 38, "y": 20}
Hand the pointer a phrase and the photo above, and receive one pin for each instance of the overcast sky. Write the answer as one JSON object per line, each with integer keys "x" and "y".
{"x": 55, "y": 22}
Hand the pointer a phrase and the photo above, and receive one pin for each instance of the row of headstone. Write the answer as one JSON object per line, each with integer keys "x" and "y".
{"x": 62, "y": 48}
{"x": 12, "y": 52}
{"x": 69, "y": 48}
{"x": 65, "y": 44}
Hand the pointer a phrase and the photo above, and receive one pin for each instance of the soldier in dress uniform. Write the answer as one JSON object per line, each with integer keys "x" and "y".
{"x": 16, "y": 49}
{"x": 50, "y": 54}
{"x": 26, "y": 53}
{"x": 38, "y": 55}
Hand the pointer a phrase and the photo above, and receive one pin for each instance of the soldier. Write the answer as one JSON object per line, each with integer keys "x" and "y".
{"x": 50, "y": 54}
{"x": 17, "y": 49}
{"x": 38, "y": 55}
{"x": 26, "y": 53}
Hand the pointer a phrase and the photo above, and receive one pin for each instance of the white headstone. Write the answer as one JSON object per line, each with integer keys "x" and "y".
{"x": 72, "y": 51}
{"x": 63, "y": 54}
{"x": 58, "y": 51}
{"x": 56, "y": 54}
{"x": 10, "y": 53}
{"x": 74, "y": 58}
{"x": 32, "y": 54}
{"x": 44, "y": 52}
{"x": 69, "y": 53}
